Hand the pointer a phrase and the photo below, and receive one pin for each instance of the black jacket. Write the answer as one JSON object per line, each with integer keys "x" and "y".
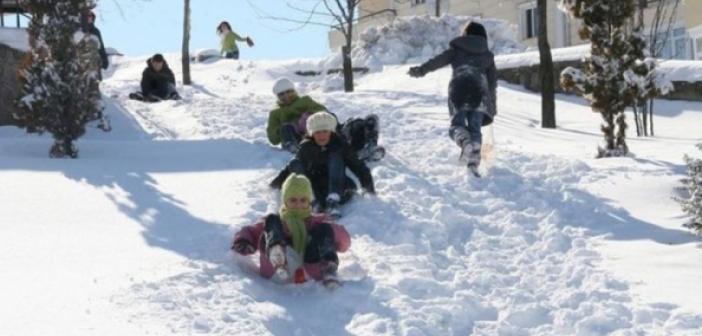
{"x": 153, "y": 82}
{"x": 469, "y": 52}
{"x": 314, "y": 158}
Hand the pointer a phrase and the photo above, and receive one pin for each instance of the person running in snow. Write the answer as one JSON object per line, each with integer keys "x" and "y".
{"x": 287, "y": 123}
{"x": 295, "y": 244}
{"x": 228, "y": 38}
{"x": 157, "y": 81}
{"x": 472, "y": 90}
{"x": 323, "y": 157}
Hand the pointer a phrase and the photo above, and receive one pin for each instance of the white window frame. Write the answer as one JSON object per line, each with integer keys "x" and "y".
{"x": 524, "y": 30}
{"x": 671, "y": 41}
{"x": 695, "y": 37}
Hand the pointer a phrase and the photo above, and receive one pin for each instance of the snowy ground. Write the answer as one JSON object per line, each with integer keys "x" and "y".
{"x": 133, "y": 238}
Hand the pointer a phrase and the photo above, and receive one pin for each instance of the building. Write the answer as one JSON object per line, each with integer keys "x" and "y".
{"x": 683, "y": 42}
{"x": 9, "y": 8}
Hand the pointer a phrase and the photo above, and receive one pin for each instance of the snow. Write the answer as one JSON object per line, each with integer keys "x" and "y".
{"x": 682, "y": 71}
{"x": 413, "y": 39}
{"x": 133, "y": 237}
{"x": 15, "y": 38}
{"x": 673, "y": 70}
{"x": 517, "y": 60}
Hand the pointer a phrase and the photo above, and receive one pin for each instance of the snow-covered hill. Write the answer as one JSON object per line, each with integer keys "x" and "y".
{"x": 133, "y": 238}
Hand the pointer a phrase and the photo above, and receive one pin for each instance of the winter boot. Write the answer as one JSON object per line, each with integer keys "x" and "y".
{"x": 276, "y": 255}
{"x": 330, "y": 279}
{"x": 104, "y": 124}
{"x": 470, "y": 154}
{"x": 290, "y": 147}
{"x": 136, "y": 96}
{"x": 371, "y": 151}
{"x": 332, "y": 209}
{"x": 174, "y": 96}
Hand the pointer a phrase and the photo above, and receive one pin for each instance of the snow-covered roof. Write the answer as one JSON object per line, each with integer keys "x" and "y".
{"x": 15, "y": 38}
{"x": 675, "y": 70}
{"x": 682, "y": 71}
{"x": 573, "y": 53}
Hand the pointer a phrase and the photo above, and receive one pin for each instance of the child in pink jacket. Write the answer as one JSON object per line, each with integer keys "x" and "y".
{"x": 295, "y": 244}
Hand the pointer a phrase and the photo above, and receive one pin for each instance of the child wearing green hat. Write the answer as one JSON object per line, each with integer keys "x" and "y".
{"x": 295, "y": 244}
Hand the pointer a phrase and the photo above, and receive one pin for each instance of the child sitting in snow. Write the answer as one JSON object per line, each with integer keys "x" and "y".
{"x": 294, "y": 243}
{"x": 323, "y": 157}
{"x": 472, "y": 90}
{"x": 286, "y": 124}
{"x": 157, "y": 81}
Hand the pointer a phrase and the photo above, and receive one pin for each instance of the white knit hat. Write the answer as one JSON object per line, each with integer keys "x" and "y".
{"x": 283, "y": 85}
{"x": 321, "y": 121}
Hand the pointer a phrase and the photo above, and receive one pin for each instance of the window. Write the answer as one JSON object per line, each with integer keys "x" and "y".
{"x": 698, "y": 44}
{"x": 418, "y": 2}
{"x": 529, "y": 20}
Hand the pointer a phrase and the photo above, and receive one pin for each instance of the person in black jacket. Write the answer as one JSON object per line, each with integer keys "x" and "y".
{"x": 89, "y": 28}
{"x": 323, "y": 157}
{"x": 472, "y": 91}
{"x": 158, "y": 81}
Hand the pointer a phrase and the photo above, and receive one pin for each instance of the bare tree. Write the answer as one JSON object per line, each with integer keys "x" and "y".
{"x": 339, "y": 15}
{"x": 186, "y": 43}
{"x": 548, "y": 104}
{"x": 659, "y": 28}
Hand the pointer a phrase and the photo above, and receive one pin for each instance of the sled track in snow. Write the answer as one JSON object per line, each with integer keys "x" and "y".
{"x": 435, "y": 253}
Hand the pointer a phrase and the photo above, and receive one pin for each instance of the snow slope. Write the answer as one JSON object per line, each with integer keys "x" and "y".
{"x": 133, "y": 237}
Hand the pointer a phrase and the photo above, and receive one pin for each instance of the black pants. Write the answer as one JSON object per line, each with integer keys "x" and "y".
{"x": 232, "y": 55}
{"x": 321, "y": 245}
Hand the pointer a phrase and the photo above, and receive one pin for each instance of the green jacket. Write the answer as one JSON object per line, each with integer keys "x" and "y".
{"x": 229, "y": 42}
{"x": 289, "y": 113}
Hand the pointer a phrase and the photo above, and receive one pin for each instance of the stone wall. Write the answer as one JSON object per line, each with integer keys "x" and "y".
{"x": 9, "y": 85}
{"x": 528, "y": 77}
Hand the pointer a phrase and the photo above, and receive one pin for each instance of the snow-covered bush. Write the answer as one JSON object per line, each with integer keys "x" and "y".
{"x": 615, "y": 74}
{"x": 415, "y": 39}
{"x": 60, "y": 88}
{"x": 692, "y": 206}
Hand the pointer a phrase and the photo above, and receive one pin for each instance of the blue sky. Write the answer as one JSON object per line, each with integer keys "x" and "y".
{"x": 144, "y": 27}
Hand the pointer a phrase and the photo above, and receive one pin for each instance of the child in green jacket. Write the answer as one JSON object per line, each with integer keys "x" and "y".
{"x": 228, "y": 40}
{"x": 287, "y": 124}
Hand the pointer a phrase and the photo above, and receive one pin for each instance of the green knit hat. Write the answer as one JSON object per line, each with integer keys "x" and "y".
{"x": 296, "y": 185}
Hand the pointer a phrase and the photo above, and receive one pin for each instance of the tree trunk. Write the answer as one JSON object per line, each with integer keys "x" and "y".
{"x": 548, "y": 104}
{"x": 186, "y": 44}
{"x": 635, "y": 108}
{"x": 438, "y": 8}
{"x": 650, "y": 112}
{"x": 348, "y": 69}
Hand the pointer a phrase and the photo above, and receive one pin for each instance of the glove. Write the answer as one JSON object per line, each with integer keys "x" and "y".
{"x": 416, "y": 72}
{"x": 243, "y": 247}
{"x": 249, "y": 42}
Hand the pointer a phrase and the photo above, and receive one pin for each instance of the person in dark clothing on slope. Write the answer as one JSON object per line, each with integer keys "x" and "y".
{"x": 472, "y": 90}
{"x": 157, "y": 81}
{"x": 323, "y": 157}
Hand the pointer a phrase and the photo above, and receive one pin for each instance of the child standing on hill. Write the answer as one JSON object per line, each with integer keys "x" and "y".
{"x": 229, "y": 49}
